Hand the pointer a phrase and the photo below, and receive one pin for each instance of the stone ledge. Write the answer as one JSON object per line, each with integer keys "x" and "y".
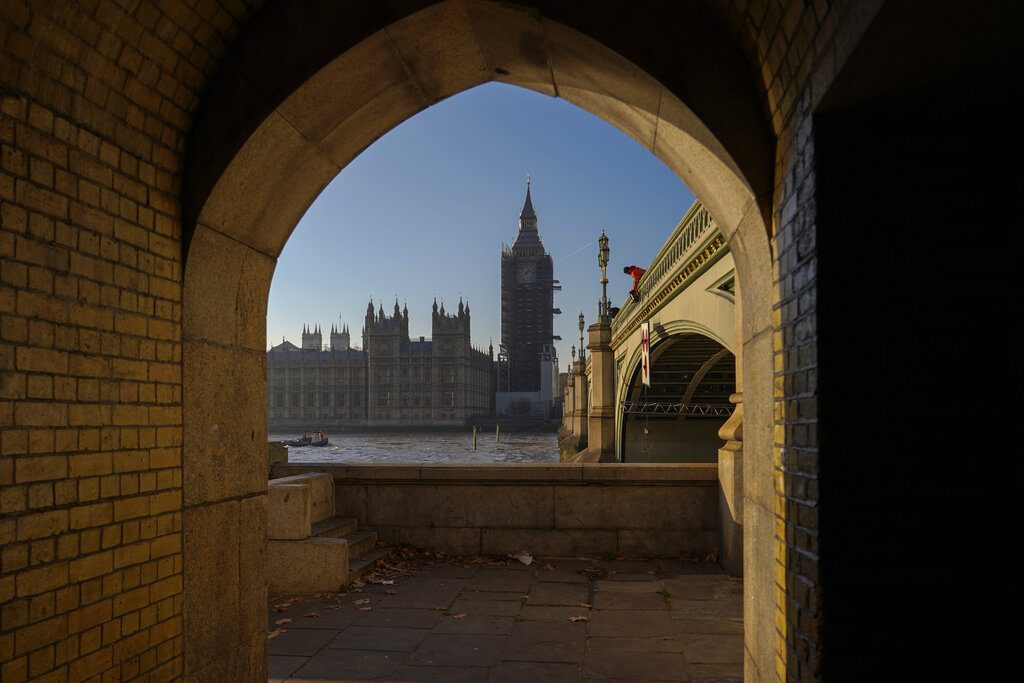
{"x": 479, "y": 473}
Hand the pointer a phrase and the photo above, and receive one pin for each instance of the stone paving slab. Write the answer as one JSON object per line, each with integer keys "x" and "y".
{"x": 280, "y": 667}
{"x": 515, "y": 596}
{"x": 551, "y": 613}
{"x": 382, "y": 639}
{"x": 300, "y": 641}
{"x": 476, "y": 623}
{"x": 536, "y": 672}
{"x": 349, "y": 665}
{"x": 443, "y": 674}
{"x": 505, "y": 608}
{"x": 555, "y": 620}
{"x": 628, "y": 644}
{"x": 559, "y": 594}
{"x": 547, "y": 641}
{"x": 450, "y": 649}
{"x": 637, "y": 623}
{"x": 656, "y": 666}
{"x": 631, "y": 601}
{"x": 400, "y": 618}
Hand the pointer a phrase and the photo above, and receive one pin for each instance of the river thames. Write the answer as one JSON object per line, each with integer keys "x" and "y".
{"x": 427, "y": 447}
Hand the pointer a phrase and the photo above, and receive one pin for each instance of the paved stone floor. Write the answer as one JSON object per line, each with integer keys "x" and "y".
{"x": 555, "y": 620}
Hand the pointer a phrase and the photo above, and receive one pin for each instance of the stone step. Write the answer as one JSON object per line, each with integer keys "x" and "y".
{"x": 360, "y": 542}
{"x": 312, "y": 565}
{"x": 335, "y": 527}
{"x": 358, "y": 566}
{"x": 319, "y": 498}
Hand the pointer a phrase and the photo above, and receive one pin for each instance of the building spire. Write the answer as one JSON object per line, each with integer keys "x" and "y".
{"x": 528, "y": 217}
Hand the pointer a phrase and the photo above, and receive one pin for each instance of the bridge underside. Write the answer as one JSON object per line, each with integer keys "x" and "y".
{"x": 677, "y": 418}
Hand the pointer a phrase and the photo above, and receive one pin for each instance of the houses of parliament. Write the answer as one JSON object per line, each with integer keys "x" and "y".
{"x": 394, "y": 380}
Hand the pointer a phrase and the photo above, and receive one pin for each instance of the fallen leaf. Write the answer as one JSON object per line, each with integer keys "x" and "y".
{"x": 313, "y": 614}
{"x": 275, "y": 633}
{"x": 583, "y": 604}
{"x": 461, "y": 615}
{"x": 365, "y": 609}
{"x": 362, "y": 601}
{"x": 334, "y": 606}
{"x": 387, "y": 582}
{"x": 282, "y": 622}
{"x": 548, "y": 567}
{"x": 579, "y": 618}
{"x": 391, "y": 591}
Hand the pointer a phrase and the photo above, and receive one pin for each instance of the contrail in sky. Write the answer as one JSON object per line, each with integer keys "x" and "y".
{"x": 566, "y": 258}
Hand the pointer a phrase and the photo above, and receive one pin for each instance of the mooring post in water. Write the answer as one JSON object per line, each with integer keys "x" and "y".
{"x": 497, "y": 428}
{"x": 474, "y": 437}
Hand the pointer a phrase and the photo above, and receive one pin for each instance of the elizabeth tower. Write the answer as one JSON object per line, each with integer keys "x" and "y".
{"x": 527, "y": 303}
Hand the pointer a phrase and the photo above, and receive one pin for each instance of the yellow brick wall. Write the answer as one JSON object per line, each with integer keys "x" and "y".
{"x": 94, "y": 106}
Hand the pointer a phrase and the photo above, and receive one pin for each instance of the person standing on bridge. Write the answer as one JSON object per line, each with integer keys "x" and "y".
{"x": 636, "y": 272}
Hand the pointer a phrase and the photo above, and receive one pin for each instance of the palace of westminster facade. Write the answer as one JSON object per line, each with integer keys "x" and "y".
{"x": 392, "y": 380}
{"x": 395, "y": 380}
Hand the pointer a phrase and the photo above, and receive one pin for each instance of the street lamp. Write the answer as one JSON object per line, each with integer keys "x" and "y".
{"x": 582, "y": 325}
{"x": 603, "y": 253}
{"x": 574, "y": 352}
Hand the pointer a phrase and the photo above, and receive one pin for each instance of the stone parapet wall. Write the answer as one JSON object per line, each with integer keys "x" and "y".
{"x": 560, "y": 510}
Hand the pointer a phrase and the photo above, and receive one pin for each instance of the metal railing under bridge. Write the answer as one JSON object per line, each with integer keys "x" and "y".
{"x": 695, "y": 409}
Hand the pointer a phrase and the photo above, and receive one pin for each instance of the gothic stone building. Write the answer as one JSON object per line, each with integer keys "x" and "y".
{"x": 527, "y": 304}
{"x": 391, "y": 381}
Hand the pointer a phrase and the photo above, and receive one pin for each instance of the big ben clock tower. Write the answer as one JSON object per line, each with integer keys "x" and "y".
{"x": 527, "y": 304}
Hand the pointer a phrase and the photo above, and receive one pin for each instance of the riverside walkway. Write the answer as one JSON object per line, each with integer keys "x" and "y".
{"x": 554, "y": 620}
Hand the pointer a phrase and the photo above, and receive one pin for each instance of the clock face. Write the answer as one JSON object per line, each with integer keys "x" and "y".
{"x": 526, "y": 272}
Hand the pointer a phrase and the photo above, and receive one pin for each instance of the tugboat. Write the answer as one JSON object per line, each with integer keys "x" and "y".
{"x": 304, "y": 441}
{"x": 319, "y": 440}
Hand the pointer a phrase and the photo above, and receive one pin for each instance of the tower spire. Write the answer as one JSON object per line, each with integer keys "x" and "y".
{"x": 528, "y": 217}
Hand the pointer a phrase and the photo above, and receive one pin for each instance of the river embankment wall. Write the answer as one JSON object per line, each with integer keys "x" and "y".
{"x": 555, "y": 510}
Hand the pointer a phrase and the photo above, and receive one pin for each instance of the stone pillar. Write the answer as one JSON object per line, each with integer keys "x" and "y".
{"x": 579, "y": 409}
{"x": 601, "y": 422}
{"x": 568, "y": 399}
{"x": 730, "y": 491}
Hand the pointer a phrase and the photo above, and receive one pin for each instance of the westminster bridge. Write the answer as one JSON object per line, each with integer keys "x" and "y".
{"x": 690, "y": 410}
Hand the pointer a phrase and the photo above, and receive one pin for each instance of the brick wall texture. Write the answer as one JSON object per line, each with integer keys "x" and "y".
{"x": 98, "y": 97}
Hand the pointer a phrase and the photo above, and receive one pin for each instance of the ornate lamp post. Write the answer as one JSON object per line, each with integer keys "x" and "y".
{"x": 603, "y": 253}
{"x": 574, "y": 352}
{"x": 583, "y": 324}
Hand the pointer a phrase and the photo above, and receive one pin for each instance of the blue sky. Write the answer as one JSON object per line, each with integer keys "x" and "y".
{"x": 425, "y": 209}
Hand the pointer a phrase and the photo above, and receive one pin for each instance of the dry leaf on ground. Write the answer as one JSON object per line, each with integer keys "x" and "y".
{"x": 313, "y": 614}
{"x": 282, "y": 622}
{"x": 579, "y": 618}
{"x": 461, "y": 615}
{"x": 391, "y": 591}
{"x": 275, "y": 633}
{"x": 365, "y": 609}
{"x": 362, "y": 601}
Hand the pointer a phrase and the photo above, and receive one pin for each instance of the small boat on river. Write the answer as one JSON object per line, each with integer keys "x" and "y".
{"x": 304, "y": 441}
{"x": 319, "y": 439}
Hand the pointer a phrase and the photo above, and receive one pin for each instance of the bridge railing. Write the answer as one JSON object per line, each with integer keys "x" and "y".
{"x": 692, "y": 232}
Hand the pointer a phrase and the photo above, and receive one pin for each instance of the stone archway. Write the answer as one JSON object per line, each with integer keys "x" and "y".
{"x": 281, "y": 120}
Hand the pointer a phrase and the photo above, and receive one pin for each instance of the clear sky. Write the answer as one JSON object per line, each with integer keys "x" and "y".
{"x": 425, "y": 209}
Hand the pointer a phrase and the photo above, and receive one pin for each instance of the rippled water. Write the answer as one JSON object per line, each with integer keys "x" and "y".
{"x": 427, "y": 447}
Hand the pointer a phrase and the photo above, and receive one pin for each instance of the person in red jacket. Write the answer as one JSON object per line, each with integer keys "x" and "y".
{"x": 637, "y": 272}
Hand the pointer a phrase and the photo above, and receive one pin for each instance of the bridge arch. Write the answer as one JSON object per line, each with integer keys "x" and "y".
{"x": 678, "y": 417}
{"x": 283, "y": 117}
